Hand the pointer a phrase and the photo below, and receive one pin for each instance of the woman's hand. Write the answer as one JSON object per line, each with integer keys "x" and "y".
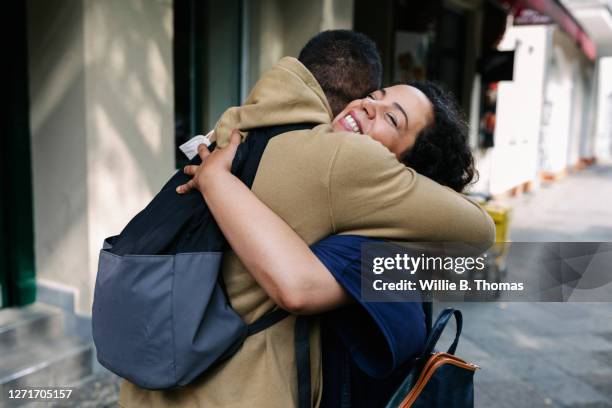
{"x": 219, "y": 161}
{"x": 279, "y": 260}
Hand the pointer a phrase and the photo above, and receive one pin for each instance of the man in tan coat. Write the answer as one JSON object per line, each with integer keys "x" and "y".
{"x": 320, "y": 182}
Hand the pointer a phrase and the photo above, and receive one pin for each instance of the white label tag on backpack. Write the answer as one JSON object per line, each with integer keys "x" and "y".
{"x": 190, "y": 147}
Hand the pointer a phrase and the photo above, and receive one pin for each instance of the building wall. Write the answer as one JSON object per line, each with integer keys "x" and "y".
{"x": 513, "y": 159}
{"x": 544, "y": 116}
{"x": 566, "y": 100}
{"x": 582, "y": 131}
{"x": 603, "y": 129}
{"x": 130, "y": 112}
{"x": 59, "y": 142}
{"x": 102, "y": 127}
{"x": 281, "y": 28}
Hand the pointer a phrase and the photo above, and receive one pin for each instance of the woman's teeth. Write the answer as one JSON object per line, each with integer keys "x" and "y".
{"x": 352, "y": 123}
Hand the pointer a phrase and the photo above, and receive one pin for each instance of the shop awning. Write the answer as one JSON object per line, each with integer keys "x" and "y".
{"x": 562, "y": 17}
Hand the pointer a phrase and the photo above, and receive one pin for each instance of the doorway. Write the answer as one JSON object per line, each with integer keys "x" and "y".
{"x": 17, "y": 275}
{"x": 207, "y": 61}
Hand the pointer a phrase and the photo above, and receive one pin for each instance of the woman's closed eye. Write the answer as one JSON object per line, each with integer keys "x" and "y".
{"x": 392, "y": 119}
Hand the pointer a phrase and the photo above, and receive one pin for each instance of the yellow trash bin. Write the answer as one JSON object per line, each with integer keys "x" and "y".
{"x": 501, "y": 215}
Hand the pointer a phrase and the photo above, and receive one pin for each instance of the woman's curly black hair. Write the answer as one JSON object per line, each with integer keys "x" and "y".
{"x": 441, "y": 151}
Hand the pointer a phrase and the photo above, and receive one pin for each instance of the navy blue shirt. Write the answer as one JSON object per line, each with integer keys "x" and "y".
{"x": 367, "y": 347}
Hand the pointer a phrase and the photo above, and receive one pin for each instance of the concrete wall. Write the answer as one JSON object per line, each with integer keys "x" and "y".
{"x": 59, "y": 142}
{"x": 130, "y": 111}
{"x": 102, "y": 127}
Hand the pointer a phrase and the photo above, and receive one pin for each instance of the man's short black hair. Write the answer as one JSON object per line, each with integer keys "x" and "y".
{"x": 346, "y": 64}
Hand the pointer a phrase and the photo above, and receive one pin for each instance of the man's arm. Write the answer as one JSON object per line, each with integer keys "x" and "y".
{"x": 372, "y": 194}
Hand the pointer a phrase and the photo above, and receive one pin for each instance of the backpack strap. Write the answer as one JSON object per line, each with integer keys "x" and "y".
{"x": 245, "y": 166}
{"x": 428, "y": 311}
{"x": 438, "y": 328}
{"x": 302, "y": 348}
{"x": 267, "y": 320}
{"x": 345, "y": 390}
{"x": 250, "y": 152}
{"x": 302, "y": 359}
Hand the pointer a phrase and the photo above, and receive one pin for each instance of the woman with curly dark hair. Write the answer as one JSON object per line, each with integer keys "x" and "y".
{"x": 441, "y": 151}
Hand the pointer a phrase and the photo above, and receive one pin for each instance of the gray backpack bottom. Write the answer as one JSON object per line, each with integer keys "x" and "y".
{"x": 146, "y": 332}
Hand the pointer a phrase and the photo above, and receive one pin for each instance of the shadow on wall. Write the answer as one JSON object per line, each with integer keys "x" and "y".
{"x": 101, "y": 115}
{"x": 129, "y": 55}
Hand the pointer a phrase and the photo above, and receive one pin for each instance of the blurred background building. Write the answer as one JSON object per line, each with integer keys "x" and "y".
{"x": 101, "y": 93}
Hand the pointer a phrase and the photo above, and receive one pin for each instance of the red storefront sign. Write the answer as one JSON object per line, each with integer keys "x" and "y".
{"x": 527, "y": 16}
{"x": 551, "y": 11}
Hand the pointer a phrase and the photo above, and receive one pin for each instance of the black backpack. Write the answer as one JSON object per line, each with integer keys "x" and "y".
{"x": 161, "y": 316}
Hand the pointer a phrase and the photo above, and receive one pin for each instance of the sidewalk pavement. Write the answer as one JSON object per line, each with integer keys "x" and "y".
{"x": 546, "y": 354}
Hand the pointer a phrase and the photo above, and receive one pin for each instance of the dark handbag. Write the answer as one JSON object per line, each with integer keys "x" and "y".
{"x": 438, "y": 379}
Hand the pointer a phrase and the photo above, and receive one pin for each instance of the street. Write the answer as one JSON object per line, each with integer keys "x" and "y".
{"x": 546, "y": 354}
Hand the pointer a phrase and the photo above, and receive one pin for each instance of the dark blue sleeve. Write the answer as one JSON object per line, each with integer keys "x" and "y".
{"x": 380, "y": 336}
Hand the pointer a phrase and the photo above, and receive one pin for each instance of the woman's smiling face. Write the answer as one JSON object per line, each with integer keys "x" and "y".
{"x": 393, "y": 116}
